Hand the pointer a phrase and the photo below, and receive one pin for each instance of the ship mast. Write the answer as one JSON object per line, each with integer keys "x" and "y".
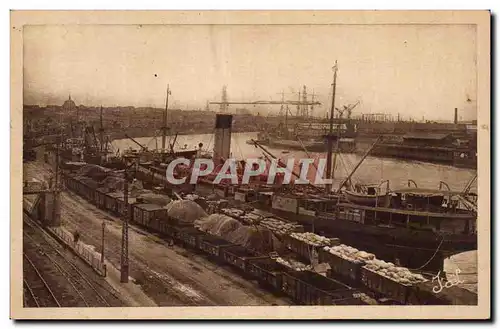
{"x": 101, "y": 131}
{"x": 330, "y": 134}
{"x": 164, "y": 128}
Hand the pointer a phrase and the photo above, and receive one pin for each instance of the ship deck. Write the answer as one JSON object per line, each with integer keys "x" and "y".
{"x": 410, "y": 212}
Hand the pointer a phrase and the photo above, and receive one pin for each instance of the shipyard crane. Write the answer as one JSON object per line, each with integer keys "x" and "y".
{"x": 349, "y": 109}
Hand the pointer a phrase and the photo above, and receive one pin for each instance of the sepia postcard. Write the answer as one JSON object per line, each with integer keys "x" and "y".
{"x": 250, "y": 165}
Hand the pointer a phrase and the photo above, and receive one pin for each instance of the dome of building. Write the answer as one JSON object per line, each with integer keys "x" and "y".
{"x": 69, "y": 104}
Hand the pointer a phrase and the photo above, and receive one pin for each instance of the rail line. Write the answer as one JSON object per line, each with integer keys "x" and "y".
{"x": 78, "y": 280}
{"x": 38, "y": 283}
{"x": 155, "y": 278}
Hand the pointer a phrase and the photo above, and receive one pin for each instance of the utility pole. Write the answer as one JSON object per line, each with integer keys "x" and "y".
{"x": 330, "y": 135}
{"x": 102, "y": 242}
{"x": 164, "y": 128}
{"x": 55, "y": 204}
{"x": 124, "y": 255}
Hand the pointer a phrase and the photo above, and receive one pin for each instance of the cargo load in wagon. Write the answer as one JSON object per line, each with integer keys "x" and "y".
{"x": 212, "y": 245}
{"x": 345, "y": 261}
{"x": 389, "y": 280}
{"x": 310, "y": 288}
{"x": 305, "y": 245}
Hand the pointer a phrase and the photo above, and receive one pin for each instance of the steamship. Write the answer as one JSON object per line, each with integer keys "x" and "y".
{"x": 430, "y": 147}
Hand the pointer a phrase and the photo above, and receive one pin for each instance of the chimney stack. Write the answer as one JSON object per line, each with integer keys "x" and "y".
{"x": 222, "y": 143}
{"x": 455, "y": 121}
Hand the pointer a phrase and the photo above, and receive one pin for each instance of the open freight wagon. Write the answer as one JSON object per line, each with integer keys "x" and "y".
{"x": 239, "y": 257}
{"x": 304, "y": 250}
{"x": 342, "y": 268}
{"x": 145, "y": 213}
{"x": 212, "y": 245}
{"x": 268, "y": 272}
{"x": 310, "y": 288}
{"x": 387, "y": 287}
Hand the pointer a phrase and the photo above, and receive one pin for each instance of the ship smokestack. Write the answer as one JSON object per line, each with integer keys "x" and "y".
{"x": 455, "y": 121}
{"x": 222, "y": 143}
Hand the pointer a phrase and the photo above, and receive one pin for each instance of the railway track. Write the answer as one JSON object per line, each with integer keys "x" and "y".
{"x": 82, "y": 288}
{"x": 34, "y": 281}
{"x": 161, "y": 282}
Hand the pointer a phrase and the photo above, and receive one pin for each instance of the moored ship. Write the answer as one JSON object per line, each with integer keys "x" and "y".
{"x": 429, "y": 147}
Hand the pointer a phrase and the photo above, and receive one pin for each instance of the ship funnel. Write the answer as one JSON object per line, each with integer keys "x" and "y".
{"x": 222, "y": 143}
{"x": 455, "y": 121}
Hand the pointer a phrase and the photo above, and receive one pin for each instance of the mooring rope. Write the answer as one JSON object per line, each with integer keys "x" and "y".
{"x": 430, "y": 259}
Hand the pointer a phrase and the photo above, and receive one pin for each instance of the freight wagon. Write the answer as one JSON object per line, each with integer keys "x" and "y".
{"x": 121, "y": 205}
{"x": 87, "y": 189}
{"x": 189, "y": 236}
{"x": 239, "y": 256}
{"x": 146, "y": 213}
{"x": 342, "y": 268}
{"x": 213, "y": 245}
{"x": 268, "y": 272}
{"x": 304, "y": 250}
{"x": 310, "y": 288}
{"x": 70, "y": 182}
{"x": 111, "y": 202}
{"x": 100, "y": 195}
{"x": 387, "y": 287}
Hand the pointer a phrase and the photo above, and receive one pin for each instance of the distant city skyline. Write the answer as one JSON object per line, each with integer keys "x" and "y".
{"x": 415, "y": 70}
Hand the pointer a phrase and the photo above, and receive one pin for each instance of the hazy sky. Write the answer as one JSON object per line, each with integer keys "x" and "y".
{"x": 417, "y": 70}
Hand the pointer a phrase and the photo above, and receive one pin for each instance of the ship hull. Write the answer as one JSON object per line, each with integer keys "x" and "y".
{"x": 437, "y": 155}
{"x": 314, "y": 146}
{"x": 411, "y": 248}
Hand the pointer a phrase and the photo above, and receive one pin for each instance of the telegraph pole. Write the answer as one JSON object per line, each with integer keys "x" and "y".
{"x": 102, "y": 242}
{"x": 124, "y": 255}
{"x": 55, "y": 204}
{"x": 330, "y": 135}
